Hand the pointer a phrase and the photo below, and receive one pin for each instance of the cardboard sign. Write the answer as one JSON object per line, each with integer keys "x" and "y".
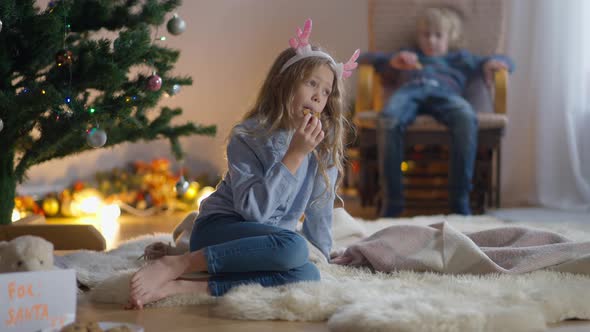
{"x": 32, "y": 301}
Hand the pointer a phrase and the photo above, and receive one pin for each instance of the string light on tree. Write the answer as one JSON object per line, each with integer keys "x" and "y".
{"x": 96, "y": 137}
{"x": 176, "y": 25}
{"x": 64, "y": 58}
{"x": 71, "y": 96}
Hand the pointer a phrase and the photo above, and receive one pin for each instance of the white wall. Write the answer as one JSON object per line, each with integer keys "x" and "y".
{"x": 227, "y": 49}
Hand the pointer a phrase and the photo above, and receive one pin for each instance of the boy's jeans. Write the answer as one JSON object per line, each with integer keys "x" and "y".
{"x": 446, "y": 107}
{"x": 242, "y": 252}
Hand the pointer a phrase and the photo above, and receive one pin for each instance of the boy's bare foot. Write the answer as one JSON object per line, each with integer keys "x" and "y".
{"x": 167, "y": 289}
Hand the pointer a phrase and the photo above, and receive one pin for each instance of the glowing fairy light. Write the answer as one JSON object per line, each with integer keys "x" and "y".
{"x": 205, "y": 192}
{"x": 404, "y": 166}
{"x": 15, "y": 215}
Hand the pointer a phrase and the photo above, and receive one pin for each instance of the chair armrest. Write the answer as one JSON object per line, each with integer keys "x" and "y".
{"x": 369, "y": 94}
{"x": 500, "y": 91}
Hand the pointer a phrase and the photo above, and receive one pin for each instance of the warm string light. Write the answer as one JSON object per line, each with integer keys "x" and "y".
{"x": 91, "y": 109}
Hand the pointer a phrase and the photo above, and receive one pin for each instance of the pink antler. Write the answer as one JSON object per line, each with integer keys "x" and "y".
{"x": 351, "y": 64}
{"x": 302, "y": 38}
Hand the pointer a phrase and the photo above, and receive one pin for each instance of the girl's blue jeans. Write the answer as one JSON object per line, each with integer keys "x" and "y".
{"x": 242, "y": 252}
{"x": 446, "y": 107}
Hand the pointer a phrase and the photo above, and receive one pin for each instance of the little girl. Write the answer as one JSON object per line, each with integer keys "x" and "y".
{"x": 284, "y": 160}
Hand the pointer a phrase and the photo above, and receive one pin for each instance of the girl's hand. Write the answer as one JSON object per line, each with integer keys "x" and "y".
{"x": 490, "y": 67}
{"x": 306, "y": 137}
{"x": 405, "y": 60}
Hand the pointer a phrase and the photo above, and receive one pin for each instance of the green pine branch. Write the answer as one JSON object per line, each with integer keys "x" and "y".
{"x": 47, "y": 108}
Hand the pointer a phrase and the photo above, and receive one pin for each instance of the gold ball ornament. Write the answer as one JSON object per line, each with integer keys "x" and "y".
{"x": 192, "y": 192}
{"x": 51, "y": 206}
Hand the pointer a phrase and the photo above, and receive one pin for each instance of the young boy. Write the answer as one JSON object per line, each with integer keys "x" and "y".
{"x": 433, "y": 77}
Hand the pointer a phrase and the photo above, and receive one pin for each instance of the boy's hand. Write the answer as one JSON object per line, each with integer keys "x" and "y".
{"x": 405, "y": 60}
{"x": 490, "y": 67}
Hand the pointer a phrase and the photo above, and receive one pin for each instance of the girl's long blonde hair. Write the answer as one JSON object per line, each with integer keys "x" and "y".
{"x": 273, "y": 110}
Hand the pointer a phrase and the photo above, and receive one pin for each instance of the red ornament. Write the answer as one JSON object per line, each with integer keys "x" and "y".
{"x": 78, "y": 185}
{"x": 154, "y": 83}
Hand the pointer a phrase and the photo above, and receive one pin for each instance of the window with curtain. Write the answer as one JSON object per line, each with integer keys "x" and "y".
{"x": 548, "y": 159}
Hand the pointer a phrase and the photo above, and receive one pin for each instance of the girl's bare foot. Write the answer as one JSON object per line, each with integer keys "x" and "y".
{"x": 167, "y": 289}
{"x": 158, "y": 272}
{"x": 147, "y": 282}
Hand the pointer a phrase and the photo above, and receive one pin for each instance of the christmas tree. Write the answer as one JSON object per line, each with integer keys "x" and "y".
{"x": 66, "y": 88}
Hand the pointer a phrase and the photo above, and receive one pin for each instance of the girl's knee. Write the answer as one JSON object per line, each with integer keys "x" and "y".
{"x": 294, "y": 253}
{"x": 306, "y": 272}
{"x": 312, "y": 273}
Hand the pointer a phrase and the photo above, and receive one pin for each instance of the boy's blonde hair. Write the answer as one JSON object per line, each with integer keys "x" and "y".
{"x": 273, "y": 109}
{"x": 443, "y": 19}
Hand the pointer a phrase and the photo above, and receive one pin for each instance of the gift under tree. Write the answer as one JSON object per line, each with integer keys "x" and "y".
{"x": 84, "y": 74}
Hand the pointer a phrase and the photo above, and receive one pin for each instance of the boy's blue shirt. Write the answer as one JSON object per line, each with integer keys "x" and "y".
{"x": 451, "y": 70}
{"x": 259, "y": 187}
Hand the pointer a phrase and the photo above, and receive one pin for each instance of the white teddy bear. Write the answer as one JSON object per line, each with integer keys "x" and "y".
{"x": 26, "y": 253}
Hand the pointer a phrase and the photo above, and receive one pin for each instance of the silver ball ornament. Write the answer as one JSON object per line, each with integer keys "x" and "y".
{"x": 1, "y": 124}
{"x": 0, "y": 25}
{"x": 175, "y": 89}
{"x": 181, "y": 186}
{"x": 176, "y": 25}
{"x": 96, "y": 138}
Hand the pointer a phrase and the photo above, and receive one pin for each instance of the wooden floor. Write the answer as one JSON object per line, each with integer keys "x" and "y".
{"x": 194, "y": 318}
{"x": 199, "y": 318}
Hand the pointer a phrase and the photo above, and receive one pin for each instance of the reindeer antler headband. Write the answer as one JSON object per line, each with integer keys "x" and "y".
{"x": 303, "y": 50}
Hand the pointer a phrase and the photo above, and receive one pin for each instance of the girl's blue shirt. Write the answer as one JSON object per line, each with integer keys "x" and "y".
{"x": 259, "y": 187}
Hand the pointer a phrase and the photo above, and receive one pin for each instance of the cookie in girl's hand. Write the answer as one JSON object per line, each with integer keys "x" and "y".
{"x": 306, "y": 111}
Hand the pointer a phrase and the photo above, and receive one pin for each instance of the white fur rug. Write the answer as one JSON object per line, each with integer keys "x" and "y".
{"x": 352, "y": 299}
